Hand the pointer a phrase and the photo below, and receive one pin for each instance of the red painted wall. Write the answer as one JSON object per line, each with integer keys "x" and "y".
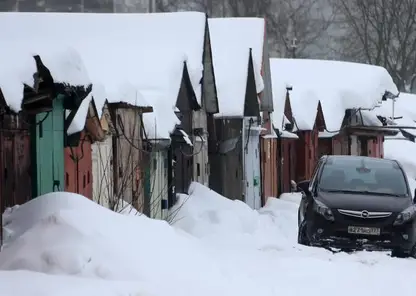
{"x": 306, "y": 154}
{"x": 376, "y": 147}
{"x": 289, "y": 163}
{"x": 381, "y": 146}
{"x": 78, "y": 168}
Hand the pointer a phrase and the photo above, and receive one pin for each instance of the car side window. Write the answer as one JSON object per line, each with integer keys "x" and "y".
{"x": 315, "y": 173}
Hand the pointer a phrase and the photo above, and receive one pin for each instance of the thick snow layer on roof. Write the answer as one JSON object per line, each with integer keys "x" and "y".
{"x": 78, "y": 122}
{"x": 337, "y": 85}
{"x": 127, "y": 56}
{"x": 369, "y": 118}
{"x": 404, "y": 110}
{"x": 406, "y": 102}
{"x": 231, "y": 41}
{"x": 18, "y": 64}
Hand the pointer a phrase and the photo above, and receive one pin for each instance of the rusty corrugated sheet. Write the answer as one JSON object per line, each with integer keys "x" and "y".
{"x": 78, "y": 168}
{"x": 15, "y": 163}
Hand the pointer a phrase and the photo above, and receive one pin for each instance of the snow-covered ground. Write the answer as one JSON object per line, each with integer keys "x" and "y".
{"x": 63, "y": 244}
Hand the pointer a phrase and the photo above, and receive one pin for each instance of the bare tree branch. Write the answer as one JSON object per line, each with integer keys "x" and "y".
{"x": 381, "y": 32}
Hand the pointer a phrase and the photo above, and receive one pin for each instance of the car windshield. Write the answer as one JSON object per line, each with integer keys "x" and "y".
{"x": 364, "y": 175}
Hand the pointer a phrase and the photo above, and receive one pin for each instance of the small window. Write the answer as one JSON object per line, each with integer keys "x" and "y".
{"x": 67, "y": 180}
{"x": 198, "y": 170}
{"x": 84, "y": 181}
{"x": 88, "y": 177}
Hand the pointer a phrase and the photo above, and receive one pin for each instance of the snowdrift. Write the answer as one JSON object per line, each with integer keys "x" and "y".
{"x": 62, "y": 244}
{"x": 65, "y": 233}
{"x": 207, "y": 215}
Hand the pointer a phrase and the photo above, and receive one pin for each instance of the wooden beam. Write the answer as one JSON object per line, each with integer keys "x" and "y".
{"x": 122, "y": 105}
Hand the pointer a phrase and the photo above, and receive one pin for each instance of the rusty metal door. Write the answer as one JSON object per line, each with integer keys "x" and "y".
{"x": 15, "y": 169}
{"x": 15, "y": 178}
{"x": 22, "y": 167}
{"x": 7, "y": 171}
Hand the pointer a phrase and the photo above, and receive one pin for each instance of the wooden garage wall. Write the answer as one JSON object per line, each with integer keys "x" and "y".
{"x": 269, "y": 168}
{"x": 288, "y": 163}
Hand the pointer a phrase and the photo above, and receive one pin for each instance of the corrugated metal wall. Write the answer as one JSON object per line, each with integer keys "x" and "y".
{"x": 78, "y": 168}
{"x": 158, "y": 183}
{"x": 251, "y": 161}
{"x": 227, "y": 164}
{"x": 15, "y": 161}
{"x": 201, "y": 164}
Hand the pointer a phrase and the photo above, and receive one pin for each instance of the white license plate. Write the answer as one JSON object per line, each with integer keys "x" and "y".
{"x": 363, "y": 230}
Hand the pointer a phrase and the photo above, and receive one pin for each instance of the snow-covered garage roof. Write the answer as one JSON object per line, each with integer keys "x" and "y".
{"x": 337, "y": 85}
{"x": 404, "y": 112}
{"x": 133, "y": 58}
{"x": 406, "y": 102}
{"x": 231, "y": 41}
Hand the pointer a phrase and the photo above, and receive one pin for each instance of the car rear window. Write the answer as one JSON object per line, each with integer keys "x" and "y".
{"x": 363, "y": 174}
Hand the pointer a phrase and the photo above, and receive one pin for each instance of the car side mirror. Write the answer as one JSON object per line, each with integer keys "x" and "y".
{"x": 293, "y": 186}
{"x": 304, "y": 186}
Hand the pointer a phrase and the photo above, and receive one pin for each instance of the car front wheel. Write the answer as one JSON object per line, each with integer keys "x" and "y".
{"x": 302, "y": 234}
{"x": 399, "y": 253}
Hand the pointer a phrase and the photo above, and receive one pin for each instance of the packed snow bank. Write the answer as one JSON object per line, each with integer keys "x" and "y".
{"x": 209, "y": 216}
{"x": 84, "y": 249}
{"x": 67, "y": 234}
{"x": 11, "y": 284}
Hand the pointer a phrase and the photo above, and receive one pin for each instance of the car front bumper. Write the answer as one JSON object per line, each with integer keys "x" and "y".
{"x": 334, "y": 234}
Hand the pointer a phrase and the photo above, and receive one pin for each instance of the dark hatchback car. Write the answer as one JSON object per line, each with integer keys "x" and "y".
{"x": 356, "y": 203}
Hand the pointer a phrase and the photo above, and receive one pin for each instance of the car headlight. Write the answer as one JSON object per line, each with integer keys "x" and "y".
{"x": 405, "y": 216}
{"x": 323, "y": 210}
